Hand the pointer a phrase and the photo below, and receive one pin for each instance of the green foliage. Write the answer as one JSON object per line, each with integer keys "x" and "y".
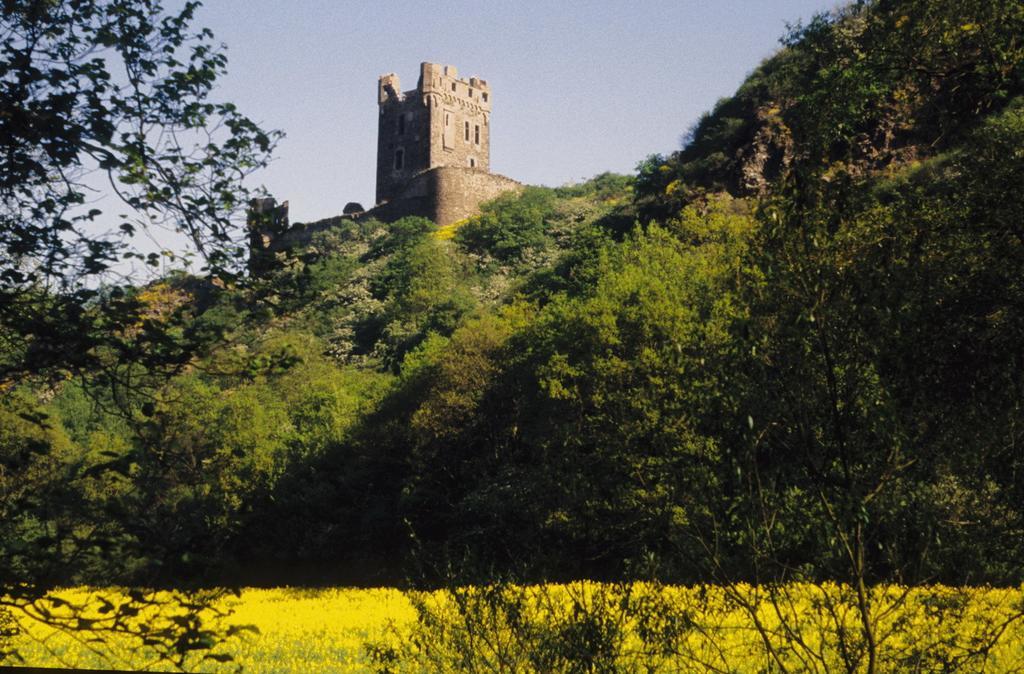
{"x": 80, "y": 79}
{"x": 868, "y": 85}
{"x": 603, "y": 187}
{"x": 509, "y": 228}
{"x": 626, "y": 373}
{"x": 421, "y": 285}
{"x": 874, "y": 327}
{"x": 401, "y": 234}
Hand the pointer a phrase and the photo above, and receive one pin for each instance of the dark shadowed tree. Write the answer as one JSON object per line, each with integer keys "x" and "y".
{"x": 104, "y": 103}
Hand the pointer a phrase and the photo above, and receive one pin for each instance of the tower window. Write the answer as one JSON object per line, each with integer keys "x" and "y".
{"x": 472, "y": 162}
{"x": 448, "y": 131}
{"x": 399, "y": 159}
{"x": 453, "y": 86}
{"x": 484, "y": 96}
{"x": 401, "y": 125}
{"x": 471, "y": 93}
{"x": 467, "y": 132}
{"x": 476, "y": 134}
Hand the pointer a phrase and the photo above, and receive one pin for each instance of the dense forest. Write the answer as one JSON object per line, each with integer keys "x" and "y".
{"x": 791, "y": 350}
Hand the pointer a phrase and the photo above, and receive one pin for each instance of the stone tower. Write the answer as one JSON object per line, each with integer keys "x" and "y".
{"x": 443, "y": 122}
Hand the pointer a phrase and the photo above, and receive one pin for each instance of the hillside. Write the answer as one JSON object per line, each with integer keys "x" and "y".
{"x": 789, "y": 350}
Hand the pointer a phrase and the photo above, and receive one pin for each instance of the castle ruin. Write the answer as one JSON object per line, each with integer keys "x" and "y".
{"x": 443, "y": 122}
{"x": 434, "y": 147}
{"x": 433, "y": 160}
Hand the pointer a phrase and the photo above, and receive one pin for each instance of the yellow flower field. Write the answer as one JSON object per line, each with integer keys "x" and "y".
{"x": 299, "y": 631}
{"x": 552, "y": 628}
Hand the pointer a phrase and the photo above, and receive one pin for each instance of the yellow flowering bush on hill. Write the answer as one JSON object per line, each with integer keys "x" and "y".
{"x": 591, "y": 627}
{"x": 447, "y": 232}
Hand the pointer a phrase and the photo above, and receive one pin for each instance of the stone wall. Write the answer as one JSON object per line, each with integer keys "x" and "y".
{"x": 458, "y": 192}
{"x": 445, "y": 195}
{"x": 404, "y": 126}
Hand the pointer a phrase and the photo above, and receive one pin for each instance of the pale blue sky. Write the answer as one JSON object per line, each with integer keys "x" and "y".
{"x": 578, "y": 87}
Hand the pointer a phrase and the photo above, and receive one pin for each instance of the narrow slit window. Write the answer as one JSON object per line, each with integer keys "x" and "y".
{"x": 476, "y": 134}
{"x": 399, "y": 159}
{"x": 472, "y": 162}
{"x": 467, "y": 132}
{"x": 447, "y": 119}
{"x": 453, "y": 86}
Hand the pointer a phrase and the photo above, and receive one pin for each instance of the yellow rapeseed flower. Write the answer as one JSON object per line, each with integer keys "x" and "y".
{"x": 737, "y": 628}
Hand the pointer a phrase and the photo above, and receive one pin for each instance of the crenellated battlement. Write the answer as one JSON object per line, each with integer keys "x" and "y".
{"x": 438, "y": 81}
{"x": 444, "y": 83}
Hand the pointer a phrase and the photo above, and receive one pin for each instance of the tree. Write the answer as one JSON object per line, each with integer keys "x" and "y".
{"x": 115, "y": 91}
{"x": 422, "y": 287}
{"x": 510, "y": 227}
{"x": 118, "y": 93}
